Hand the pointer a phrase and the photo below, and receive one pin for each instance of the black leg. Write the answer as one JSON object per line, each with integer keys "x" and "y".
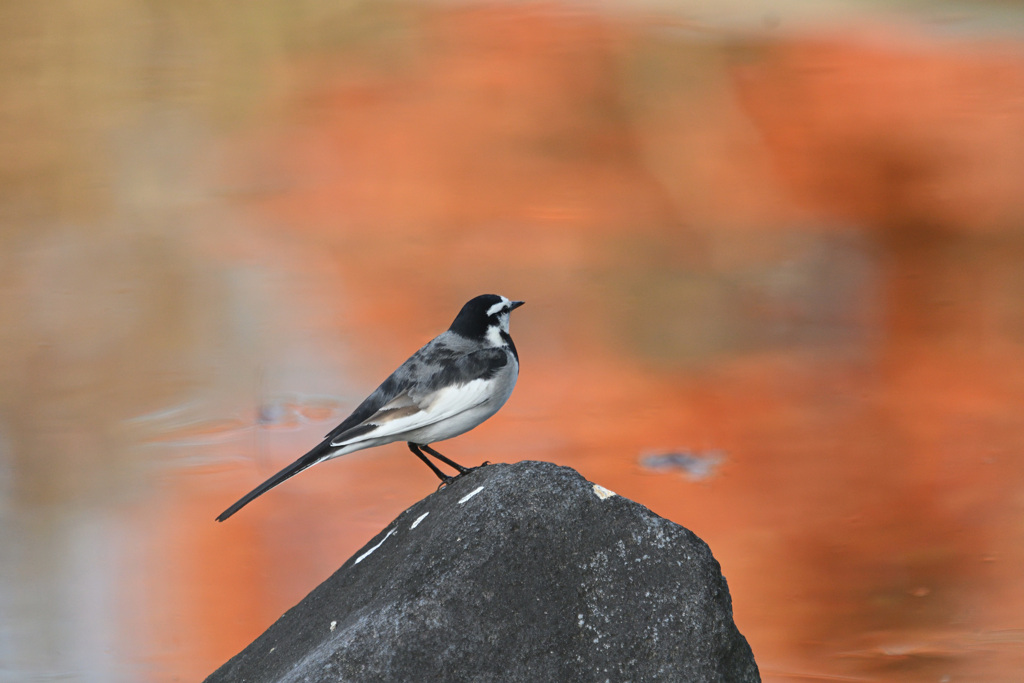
{"x": 445, "y": 460}
{"x": 440, "y": 475}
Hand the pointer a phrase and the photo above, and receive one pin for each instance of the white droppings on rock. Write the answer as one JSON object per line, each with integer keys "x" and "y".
{"x": 334, "y": 625}
{"x": 471, "y": 494}
{"x": 418, "y": 520}
{"x": 602, "y": 493}
{"x": 370, "y": 551}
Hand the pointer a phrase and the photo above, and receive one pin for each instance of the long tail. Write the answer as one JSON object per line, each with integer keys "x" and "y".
{"x": 318, "y": 454}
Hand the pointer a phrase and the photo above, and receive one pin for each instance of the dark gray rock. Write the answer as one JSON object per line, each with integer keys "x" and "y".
{"x": 513, "y": 573}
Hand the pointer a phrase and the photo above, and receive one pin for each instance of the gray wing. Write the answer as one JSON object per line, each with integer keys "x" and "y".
{"x": 437, "y": 365}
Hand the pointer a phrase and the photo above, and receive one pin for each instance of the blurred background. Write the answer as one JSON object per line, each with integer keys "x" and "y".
{"x": 773, "y": 254}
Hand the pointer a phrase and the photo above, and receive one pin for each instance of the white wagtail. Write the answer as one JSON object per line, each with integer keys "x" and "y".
{"x": 456, "y": 381}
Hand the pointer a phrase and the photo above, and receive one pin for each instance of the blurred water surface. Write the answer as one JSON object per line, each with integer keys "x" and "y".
{"x": 773, "y": 262}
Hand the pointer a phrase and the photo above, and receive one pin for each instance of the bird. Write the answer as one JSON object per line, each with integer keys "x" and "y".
{"x": 456, "y": 381}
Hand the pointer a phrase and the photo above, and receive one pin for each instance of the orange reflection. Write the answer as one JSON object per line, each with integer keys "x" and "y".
{"x": 861, "y": 514}
{"x": 801, "y": 253}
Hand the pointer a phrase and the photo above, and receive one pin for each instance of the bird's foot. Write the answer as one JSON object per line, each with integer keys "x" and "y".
{"x": 445, "y": 481}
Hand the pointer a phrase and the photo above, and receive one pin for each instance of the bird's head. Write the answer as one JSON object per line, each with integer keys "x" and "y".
{"x": 485, "y": 317}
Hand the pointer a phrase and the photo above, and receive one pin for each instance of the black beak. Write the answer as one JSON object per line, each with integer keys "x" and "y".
{"x": 515, "y": 305}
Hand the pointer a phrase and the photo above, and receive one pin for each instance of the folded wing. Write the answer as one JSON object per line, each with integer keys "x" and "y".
{"x": 430, "y": 392}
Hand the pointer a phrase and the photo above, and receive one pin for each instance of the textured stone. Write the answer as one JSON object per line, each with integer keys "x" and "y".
{"x": 522, "y": 572}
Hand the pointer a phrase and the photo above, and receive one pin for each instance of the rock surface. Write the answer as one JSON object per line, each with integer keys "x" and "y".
{"x": 522, "y": 572}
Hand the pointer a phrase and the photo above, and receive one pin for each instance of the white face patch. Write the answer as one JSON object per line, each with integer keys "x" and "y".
{"x": 494, "y": 336}
{"x": 504, "y": 303}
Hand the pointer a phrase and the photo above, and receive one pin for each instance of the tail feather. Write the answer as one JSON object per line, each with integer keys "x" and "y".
{"x": 318, "y": 454}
